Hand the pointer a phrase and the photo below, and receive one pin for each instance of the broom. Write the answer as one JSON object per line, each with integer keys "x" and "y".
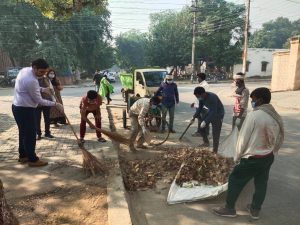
{"x": 89, "y": 162}
{"x": 112, "y": 135}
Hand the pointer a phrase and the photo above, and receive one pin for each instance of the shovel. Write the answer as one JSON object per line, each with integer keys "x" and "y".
{"x": 180, "y": 138}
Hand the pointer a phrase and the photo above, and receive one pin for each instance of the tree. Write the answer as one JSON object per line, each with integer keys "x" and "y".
{"x": 219, "y": 35}
{"x": 170, "y": 38}
{"x": 65, "y": 8}
{"x": 130, "y": 48}
{"x": 18, "y": 25}
{"x": 81, "y": 41}
{"x": 275, "y": 34}
{"x": 220, "y": 32}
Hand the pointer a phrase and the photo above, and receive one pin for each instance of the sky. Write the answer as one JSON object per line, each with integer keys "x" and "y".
{"x": 134, "y": 14}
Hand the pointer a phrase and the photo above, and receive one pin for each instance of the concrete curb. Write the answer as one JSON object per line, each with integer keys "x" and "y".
{"x": 118, "y": 210}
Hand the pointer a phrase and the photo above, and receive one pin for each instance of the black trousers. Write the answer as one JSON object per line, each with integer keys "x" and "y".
{"x": 46, "y": 113}
{"x": 216, "y": 124}
{"x": 26, "y": 120}
{"x": 257, "y": 168}
{"x": 239, "y": 126}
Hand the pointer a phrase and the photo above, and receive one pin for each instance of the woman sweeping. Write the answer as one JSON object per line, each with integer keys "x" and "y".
{"x": 106, "y": 89}
{"x": 56, "y": 117}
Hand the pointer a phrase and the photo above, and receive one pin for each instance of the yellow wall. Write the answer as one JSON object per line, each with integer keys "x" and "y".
{"x": 286, "y": 68}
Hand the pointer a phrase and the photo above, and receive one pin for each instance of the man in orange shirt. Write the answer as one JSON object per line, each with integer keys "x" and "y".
{"x": 90, "y": 104}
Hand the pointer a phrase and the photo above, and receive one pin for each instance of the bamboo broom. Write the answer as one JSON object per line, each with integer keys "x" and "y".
{"x": 89, "y": 162}
{"x": 112, "y": 135}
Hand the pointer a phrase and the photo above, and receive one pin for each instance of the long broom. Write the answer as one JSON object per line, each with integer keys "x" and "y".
{"x": 112, "y": 135}
{"x": 89, "y": 162}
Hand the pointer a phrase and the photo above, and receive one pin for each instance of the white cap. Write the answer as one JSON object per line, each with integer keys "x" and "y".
{"x": 238, "y": 77}
{"x": 170, "y": 77}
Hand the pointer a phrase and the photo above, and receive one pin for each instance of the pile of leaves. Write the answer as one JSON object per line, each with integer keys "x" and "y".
{"x": 200, "y": 165}
{"x": 143, "y": 174}
{"x": 206, "y": 168}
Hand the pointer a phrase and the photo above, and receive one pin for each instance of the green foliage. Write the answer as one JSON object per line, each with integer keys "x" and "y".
{"x": 82, "y": 41}
{"x": 62, "y": 9}
{"x": 219, "y": 35}
{"x": 130, "y": 48}
{"x": 170, "y": 38}
{"x": 275, "y": 34}
{"x": 220, "y": 38}
{"x": 18, "y": 25}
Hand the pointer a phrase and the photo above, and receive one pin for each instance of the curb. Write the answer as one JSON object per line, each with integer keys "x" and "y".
{"x": 118, "y": 210}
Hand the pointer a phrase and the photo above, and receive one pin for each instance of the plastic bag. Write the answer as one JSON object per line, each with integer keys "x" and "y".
{"x": 179, "y": 194}
{"x": 228, "y": 146}
{"x": 191, "y": 193}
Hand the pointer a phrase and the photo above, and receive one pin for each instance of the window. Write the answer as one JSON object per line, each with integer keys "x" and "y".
{"x": 154, "y": 78}
{"x": 139, "y": 78}
{"x": 264, "y": 65}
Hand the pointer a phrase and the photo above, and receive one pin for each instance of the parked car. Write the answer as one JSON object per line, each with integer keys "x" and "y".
{"x": 11, "y": 75}
{"x": 111, "y": 77}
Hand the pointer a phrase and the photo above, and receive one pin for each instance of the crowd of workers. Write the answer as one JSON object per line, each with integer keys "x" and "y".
{"x": 37, "y": 91}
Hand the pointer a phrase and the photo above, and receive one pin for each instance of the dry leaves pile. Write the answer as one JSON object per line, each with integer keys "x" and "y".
{"x": 206, "y": 168}
{"x": 143, "y": 174}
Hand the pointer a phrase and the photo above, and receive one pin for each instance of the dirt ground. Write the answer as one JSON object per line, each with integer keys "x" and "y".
{"x": 77, "y": 200}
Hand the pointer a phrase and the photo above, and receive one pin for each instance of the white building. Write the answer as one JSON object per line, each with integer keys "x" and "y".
{"x": 259, "y": 62}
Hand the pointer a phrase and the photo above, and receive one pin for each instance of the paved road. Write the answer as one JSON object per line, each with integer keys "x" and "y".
{"x": 282, "y": 204}
{"x": 283, "y": 198}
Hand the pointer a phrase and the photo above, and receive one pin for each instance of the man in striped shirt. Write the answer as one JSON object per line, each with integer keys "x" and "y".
{"x": 241, "y": 101}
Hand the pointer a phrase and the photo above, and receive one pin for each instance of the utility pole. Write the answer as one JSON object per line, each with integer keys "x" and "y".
{"x": 194, "y": 8}
{"x": 246, "y": 36}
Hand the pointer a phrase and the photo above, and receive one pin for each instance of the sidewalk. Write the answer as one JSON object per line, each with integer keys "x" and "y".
{"x": 64, "y": 171}
{"x": 287, "y": 100}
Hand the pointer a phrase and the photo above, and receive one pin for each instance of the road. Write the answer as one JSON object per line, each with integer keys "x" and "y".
{"x": 283, "y": 197}
{"x": 282, "y": 203}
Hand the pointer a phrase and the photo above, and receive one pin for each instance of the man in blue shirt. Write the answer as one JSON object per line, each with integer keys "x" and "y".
{"x": 214, "y": 116}
{"x": 170, "y": 97}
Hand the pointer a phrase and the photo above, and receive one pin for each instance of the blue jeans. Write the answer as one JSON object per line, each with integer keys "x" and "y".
{"x": 26, "y": 121}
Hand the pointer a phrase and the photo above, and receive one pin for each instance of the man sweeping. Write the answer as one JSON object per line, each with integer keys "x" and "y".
{"x": 214, "y": 116}
{"x": 260, "y": 137}
{"x": 90, "y": 104}
{"x": 137, "y": 114}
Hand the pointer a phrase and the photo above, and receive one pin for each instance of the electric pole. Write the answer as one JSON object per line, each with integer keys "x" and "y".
{"x": 246, "y": 36}
{"x": 194, "y": 8}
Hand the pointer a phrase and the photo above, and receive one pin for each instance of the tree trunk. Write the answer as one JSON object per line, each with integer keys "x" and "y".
{"x": 12, "y": 61}
{"x": 6, "y": 215}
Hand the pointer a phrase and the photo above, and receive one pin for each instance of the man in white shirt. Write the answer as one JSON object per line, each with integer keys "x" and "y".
{"x": 260, "y": 137}
{"x": 137, "y": 114}
{"x": 202, "y": 83}
{"x": 27, "y": 96}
